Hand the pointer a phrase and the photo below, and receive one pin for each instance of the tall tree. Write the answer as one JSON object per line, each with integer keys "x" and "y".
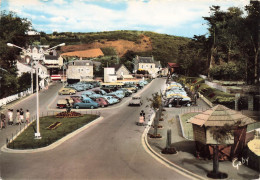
{"x": 252, "y": 23}
{"x": 12, "y": 30}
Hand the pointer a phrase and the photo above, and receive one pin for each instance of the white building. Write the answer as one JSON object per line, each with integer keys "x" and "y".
{"x": 109, "y": 74}
{"x": 147, "y": 64}
{"x": 81, "y": 70}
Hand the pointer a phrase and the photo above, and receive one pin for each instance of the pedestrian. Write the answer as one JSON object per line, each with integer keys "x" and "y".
{"x": 142, "y": 113}
{"x": 21, "y": 115}
{"x": 10, "y": 116}
{"x": 18, "y": 120}
{"x": 3, "y": 125}
{"x": 27, "y": 116}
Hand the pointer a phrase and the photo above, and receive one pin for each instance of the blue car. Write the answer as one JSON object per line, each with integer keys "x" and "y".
{"x": 86, "y": 103}
{"x": 111, "y": 100}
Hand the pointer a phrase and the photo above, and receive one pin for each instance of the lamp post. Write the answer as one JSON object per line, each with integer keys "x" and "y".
{"x": 37, "y": 134}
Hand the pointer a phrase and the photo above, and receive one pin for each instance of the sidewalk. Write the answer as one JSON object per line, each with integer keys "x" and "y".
{"x": 186, "y": 149}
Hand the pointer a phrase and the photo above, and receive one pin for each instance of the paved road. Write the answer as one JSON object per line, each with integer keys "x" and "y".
{"x": 111, "y": 149}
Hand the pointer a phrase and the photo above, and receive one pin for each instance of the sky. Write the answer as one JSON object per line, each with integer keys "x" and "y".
{"x": 173, "y": 17}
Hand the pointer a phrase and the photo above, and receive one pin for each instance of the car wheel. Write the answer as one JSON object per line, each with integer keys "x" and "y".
{"x": 70, "y": 93}
{"x": 170, "y": 105}
{"x": 188, "y": 105}
{"x": 91, "y": 107}
{"x": 77, "y": 107}
{"x": 102, "y": 105}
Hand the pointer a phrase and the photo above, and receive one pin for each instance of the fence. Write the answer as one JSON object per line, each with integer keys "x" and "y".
{"x": 21, "y": 127}
{"x": 14, "y": 97}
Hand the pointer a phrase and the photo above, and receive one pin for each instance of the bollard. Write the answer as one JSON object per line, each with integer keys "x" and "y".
{"x": 169, "y": 139}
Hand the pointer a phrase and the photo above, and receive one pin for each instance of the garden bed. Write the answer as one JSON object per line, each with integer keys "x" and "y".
{"x": 26, "y": 139}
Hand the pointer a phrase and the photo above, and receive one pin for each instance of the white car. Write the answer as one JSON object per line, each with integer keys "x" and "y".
{"x": 136, "y": 101}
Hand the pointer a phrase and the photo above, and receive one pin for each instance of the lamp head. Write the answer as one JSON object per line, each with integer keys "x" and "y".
{"x": 9, "y": 44}
{"x": 62, "y": 44}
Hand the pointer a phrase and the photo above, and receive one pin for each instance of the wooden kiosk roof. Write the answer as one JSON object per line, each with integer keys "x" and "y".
{"x": 220, "y": 115}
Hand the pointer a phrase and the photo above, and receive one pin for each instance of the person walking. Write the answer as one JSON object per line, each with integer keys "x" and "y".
{"x": 21, "y": 115}
{"x": 27, "y": 116}
{"x": 10, "y": 116}
{"x": 3, "y": 125}
{"x": 142, "y": 113}
{"x": 18, "y": 120}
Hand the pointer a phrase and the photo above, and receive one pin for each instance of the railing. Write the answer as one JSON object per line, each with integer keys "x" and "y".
{"x": 14, "y": 97}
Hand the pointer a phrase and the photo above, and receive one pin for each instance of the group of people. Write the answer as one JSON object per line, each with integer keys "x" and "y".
{"x": 19, "y": 118}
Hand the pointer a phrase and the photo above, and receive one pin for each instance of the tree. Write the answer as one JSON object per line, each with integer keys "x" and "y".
{"x": 252, "y": 31}
{"x": 12, "y": 30}
{"x": 220, "y": 135}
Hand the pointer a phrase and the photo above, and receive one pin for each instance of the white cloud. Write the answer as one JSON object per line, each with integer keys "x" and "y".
{"x": 78, "y": 15}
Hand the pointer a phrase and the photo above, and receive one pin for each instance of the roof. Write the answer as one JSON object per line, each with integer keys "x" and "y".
{"x": 81, "y": 63}
{"x": 173, "y": 64}
{"x": 118, "y": 66}
{"x": 145, "y": 59}
{"x": 219, "y": 116}
{"x": 90, "y": 53}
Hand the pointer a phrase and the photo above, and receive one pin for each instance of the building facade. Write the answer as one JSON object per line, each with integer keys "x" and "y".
{"x": 80, "y": 70}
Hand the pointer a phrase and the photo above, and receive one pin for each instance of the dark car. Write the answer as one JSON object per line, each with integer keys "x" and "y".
{"x": 173, "y": 102}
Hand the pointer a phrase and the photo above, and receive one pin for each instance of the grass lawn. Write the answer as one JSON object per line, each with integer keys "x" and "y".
{"x": 187, "y": 127}
{"x": 26, "y": 139}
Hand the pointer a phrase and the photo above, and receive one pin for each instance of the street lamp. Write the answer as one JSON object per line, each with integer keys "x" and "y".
{"x": 37, "y": 134}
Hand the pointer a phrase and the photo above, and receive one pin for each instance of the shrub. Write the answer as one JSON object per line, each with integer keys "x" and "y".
{"x": 227, "y": 71}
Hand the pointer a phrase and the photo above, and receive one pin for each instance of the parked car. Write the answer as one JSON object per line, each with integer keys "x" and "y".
{"x": 65, "y": 91}
{"x": 76, "y": 99}
{"x": 116, "y": 95}
{"x": 86, "y": 103}
{"x": 87, "y": 93}
{"x": 99, "y": 91}
{"x": 126, "y": 91}
{"x": 62, "y": 103}
{"x": 136, "y": 101}
{"x": 76, "y": 87}
{"x": 172, "y": 102}
{"x": 101, "y": 101}
{"x": 111, "y": 100}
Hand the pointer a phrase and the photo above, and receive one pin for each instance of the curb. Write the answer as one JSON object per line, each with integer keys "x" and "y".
{"x": 163, "y": 160}
{"x": 55, "y": 144}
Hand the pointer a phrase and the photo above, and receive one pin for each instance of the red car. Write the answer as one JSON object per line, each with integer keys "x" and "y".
{"x": 101, "y": 101}
{"x": 76, "y": 99}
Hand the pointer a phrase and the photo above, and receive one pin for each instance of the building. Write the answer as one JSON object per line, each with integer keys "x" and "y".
{"x": 53, "y": 63}
{"x": 172, "y": 68}
{"x": 80, "y": 70}
{"x": 122, "y": 72}
{"x": 109, "y": 75}
{"x": 147, "y": 64}
{"x": 42, "y": 72}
